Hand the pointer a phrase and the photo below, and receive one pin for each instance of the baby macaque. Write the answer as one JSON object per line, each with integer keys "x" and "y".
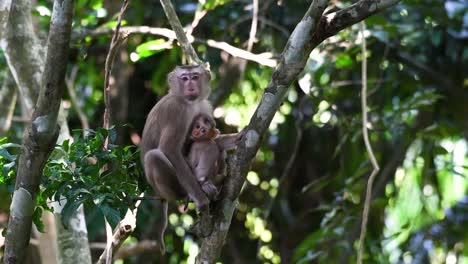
{"x": 207, "y": 153}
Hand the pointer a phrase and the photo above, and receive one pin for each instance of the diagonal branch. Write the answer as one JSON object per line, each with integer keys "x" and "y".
{"x": 294, "y": 58}
{"x": 310, "y": 32}
{"x": 192, "y": 56}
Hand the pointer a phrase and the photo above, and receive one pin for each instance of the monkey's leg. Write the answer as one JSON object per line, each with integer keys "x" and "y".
{"x": 161, "y": 175}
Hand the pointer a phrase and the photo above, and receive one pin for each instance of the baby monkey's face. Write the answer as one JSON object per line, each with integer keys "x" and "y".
{"x": 203, "y": 130}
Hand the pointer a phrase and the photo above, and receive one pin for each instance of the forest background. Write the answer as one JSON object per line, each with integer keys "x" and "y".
{"x": 304, "y": 189}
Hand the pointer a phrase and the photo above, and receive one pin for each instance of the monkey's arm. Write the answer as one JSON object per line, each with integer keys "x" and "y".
{"x": 229, "y": 141}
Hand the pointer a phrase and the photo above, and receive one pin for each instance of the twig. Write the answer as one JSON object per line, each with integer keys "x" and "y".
{"x": 115, "y": 43}
{"x": 20, "y": 119}
{"x": 199, "y": 14}
{"x": 253, "y": 27}
{"x": 124, "y": 230}
{"x": 192, "y": 56}
{"x": 117, "y": 239}
{"x": 146, "y": 198}
{"x": 375, "y": 166}
{"x": 8, "y": 98}
{"x": 69, "y": 82}
{"x": 252, "y": 33}
{"x": 139, "y": 248}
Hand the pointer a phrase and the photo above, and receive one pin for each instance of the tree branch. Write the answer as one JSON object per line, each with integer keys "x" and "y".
{"x": 69, "y": 81}
{"x": 120, "y": 234}
{"x": 263, "y": 58}
{"x": 310, "y": 32}
{"x": 41, "y": 134}
{"x": 8, "y": 96}
{"x": 23, "y": 52}
{"x": 187, "y": 48}
{"x": 117, "y": 39}
{"x": 341, "y": 19}
{"x": 5, "y": 6}
{"x": 115, "y": 241}
{"x": 140, "y": 248}
{"x": 292, "y": 61}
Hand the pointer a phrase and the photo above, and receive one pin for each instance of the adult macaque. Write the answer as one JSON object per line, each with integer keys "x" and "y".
{"x": 207, "y": 153}
{"x": 164, "y": 136}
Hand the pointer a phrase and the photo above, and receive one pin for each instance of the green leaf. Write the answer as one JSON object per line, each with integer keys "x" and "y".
{"x": 112, "y": 215}
{"x": 5, "y": 154}
{"x": 99, "y": 198}
{"x": 343, "y": 60}
{"x": 37, "y": 219}
{"x": 70, "y": 209}
{"x": 151, "y": 47}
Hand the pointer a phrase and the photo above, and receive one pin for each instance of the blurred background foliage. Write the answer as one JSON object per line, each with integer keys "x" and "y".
{"x": 304, "y": 194}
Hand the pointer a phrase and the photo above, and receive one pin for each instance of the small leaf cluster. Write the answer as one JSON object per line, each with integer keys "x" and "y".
{"x": 7, "y": 162}
{"x": 84, "y": 172}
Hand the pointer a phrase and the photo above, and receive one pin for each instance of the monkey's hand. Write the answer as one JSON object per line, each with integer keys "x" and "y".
{"x": 210, "y": 189}
{"x": 240, "y": 136}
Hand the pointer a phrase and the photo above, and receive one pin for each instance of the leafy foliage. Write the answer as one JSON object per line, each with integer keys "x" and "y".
{"x": 83, "y": 172}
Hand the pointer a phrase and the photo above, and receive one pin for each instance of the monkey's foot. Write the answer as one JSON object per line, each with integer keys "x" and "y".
{"x": 203, "y": 227}
{"x": 210, "y": 190}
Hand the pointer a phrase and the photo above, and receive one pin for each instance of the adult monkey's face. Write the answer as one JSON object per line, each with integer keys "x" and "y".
{"x": 192, "y": 82}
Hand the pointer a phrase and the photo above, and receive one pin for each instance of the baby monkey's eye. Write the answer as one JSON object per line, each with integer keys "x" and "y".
{"x": 203, "y": 130}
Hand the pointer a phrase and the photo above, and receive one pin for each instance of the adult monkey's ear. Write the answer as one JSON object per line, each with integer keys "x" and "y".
{"x": 207, "y": 68}
{"x": 172, "y": 81}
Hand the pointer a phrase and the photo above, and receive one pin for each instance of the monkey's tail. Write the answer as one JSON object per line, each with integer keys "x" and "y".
{"x": 162, "y": 226}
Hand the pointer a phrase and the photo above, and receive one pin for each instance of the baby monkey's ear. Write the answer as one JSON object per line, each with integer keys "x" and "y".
{"x": 214, "y": 133}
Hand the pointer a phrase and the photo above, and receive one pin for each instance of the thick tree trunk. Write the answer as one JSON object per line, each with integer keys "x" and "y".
{"x": 28, "y": 54}
{"x": 41, "y": 134}
{"x": 73, "y": 246}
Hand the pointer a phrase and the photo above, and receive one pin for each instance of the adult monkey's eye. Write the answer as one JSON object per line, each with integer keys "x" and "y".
{"x": 185, "y": 78}
{"x": 195, "y": 77}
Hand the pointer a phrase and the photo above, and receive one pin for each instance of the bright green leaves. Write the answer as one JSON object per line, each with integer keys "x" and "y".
{"x": 152, "y": 47}
{"x": 211, "y": 4}
{"x": 7, "y": 161}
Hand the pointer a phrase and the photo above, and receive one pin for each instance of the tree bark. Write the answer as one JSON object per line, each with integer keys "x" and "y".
{"x": 41, "y": 134}
{"x": 28, "y": 54}
{"x": 8, "y": 96}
